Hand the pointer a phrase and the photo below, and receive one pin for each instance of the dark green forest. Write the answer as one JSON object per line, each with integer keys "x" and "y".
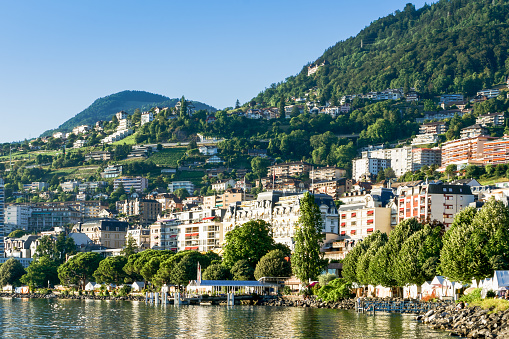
{"x": 447, "y": 47}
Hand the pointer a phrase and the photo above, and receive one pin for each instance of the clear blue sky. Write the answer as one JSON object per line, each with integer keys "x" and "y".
{"x": 57, "y": 57}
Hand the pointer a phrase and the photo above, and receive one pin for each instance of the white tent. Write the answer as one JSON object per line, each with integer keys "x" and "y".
{"x": 500, "y": 279}
{"x": 90, "y": 286}
{"x": 137, "y": 286}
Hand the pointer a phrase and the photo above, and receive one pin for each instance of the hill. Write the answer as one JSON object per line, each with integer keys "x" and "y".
{"x": 104, "y": 108}
{"x": 447, "y": 47}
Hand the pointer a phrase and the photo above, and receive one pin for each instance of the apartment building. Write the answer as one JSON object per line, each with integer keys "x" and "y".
{"x": 141, "y": 236}
{"x": 175, "y": 185}
{"x": 464, "y": 151}
{"x": 448, "y": 98}
{"x": 425, "y": 139}
{"x": 368, "y": 167}
{"x": 327, "y": 173}
{"x": 426, "y": 157}
{"x": 473, "y": 131}
{"x": 223, "y": 185}
{"x": 98, "y": 156}
{"x": 139, "y": 184}
{"x": 289, "y": 169}
{"x": 205, "y": 235}
{"x": 439, "y": 127}
{"x": 489, "y": 93}
{"x": 44, "y": 216}
{"x": 230, "y": 196}
{"x": 112, "y": 171}
{"x": 146, "y": 210}
{"x": 491, "y": 119}
{"x": 496, "y": 152}
{"x": 438, "y": 202}
{"x": 333, "y": 188}
{"x": 164, "y": 234}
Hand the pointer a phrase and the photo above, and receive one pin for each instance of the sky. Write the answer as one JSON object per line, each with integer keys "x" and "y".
{"x": 57, "y": 57}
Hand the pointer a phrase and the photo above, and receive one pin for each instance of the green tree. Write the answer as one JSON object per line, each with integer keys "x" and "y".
{"x": 183, "y": 107}
{"x": 130, "y": 247}
{"x": 10, "y": 272}
{"x": 419, "y": 256}
{"x": 17, "y": 234}
{"x": 111, "y": 271}
{"x": 307, "y": 260}
{"x": 273, "y": 264}
{"x": 371, "y": 245}
{"x": 79, "y": 268}
{"x": 259, "y": 167}
{"x": 41, "y": 271}
{"x": 250, "y": 241}
{"x": 241, "y": 270}
{"x": 216, "y": 272}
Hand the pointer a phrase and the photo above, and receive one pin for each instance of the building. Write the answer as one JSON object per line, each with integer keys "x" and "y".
{"x": 214, "y": 160}
{"x": 282, "y": 212}
{"x": 45, "y": 216}
{"x": 491, "y": 119}
{"x": 112, "y": 171}
{"x": 441, "y": 115}
{"x": 333, "y": 188}
{"x": 175, "y": 185}
{"x": 80, "y": 129}
{"x": 207, "y": 150}
{"x": 223, "y": 185}
{"x": 16, "y": 216}
{"x": 164, "y": 234}
{"x": 146, "y": 210}
{"x": 366, "y": 168}
{"x": 230, "y": 196}
{"x": 439, "y": 127}
{"x": 497, "y": 151}
{"x": 110, "y": 233}
{"x": 327, "y": 173}
{"x": 69, "y": 186}
{"x": 432, "y": 202}
{"x": 169, "y": 202}
{"x": 425, "y": 139}
{"x": 204, "y": 235}
{"x": 146, "y": 117}
{"x": 121, "y": 115}
{"x": 464, "y": 151}
{"x": 20, "y": 247}
{"x": 98, "y": 156}
{"x": 88, "y": 209}
{"x": 289, "y": 169}
{"x": 2, "y": 217}
{"x": 426, "y": 157}
{"x": 489, "y": 93}
{"x": 448, "y": 98}
{"x": 138, "y": 184}
{"x": 362, "y": 217}
{"x": 141, "y": 236}
{"x": 473, "y": 131}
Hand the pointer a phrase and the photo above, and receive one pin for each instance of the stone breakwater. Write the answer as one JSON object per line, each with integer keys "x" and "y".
{"x": 470, "y": 322}
{"x": 347, "y": 304}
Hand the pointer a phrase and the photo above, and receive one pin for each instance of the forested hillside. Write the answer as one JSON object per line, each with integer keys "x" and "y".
{"x": 450, "y": 46}
{"x": 104, "y": 108}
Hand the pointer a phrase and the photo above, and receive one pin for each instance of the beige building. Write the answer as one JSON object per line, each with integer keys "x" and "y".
{"x": 164, "y": 234}
{"x": 147, "y": 210}
{"x": 464, "y": 151}
{"x": 327, "y": 173}
{"x": 230, "y": 196}
{"x": 109, "y": 233}
{"x": 141, "y": 236}
{"x": 289, "y": 169}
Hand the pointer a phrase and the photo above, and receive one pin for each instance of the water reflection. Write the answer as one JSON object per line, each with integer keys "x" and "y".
{"x": 102, "y": 319}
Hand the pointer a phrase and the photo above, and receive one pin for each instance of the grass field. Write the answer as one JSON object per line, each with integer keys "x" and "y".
{"x": 130, "y": 140}
{"x": 168, "y": 156}
{"x": 492, "y": 181}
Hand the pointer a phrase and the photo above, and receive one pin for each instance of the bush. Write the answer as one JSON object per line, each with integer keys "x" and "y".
{"x": 124, "y": 290}
{"x": 326, "y": 278}
{"x": 491, "y": 294}
{"x": 335, "y": 290}
{"x": 44, "y": 291}
{"x": 287, "y": 290}
{"x": 475, "y": 295}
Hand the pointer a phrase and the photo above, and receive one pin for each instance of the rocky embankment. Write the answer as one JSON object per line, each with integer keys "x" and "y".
{"x": 470, "y": 322}
{"x": 70, "y": 296}
{"x": 347, "y": 304}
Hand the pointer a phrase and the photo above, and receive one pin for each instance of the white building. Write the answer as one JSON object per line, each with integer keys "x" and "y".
{"x": 146, "y": 117}
{"x": 16, "y": 216}
{"x": 139, "y": 184}
{"x": 367, "y": 167}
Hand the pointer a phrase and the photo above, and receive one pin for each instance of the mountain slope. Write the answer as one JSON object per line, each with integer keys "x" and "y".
{"x": 450, "y": 46}
{"x": 104, "y": 108}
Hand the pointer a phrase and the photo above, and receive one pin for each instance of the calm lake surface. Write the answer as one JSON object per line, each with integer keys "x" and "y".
{"x": 39, "y": 318}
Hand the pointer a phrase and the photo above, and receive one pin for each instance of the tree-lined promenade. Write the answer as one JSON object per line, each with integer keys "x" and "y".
{"x": 476, "y": 244}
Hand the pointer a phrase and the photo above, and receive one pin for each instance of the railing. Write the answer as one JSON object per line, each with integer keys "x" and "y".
{"x": 371, "y": 306}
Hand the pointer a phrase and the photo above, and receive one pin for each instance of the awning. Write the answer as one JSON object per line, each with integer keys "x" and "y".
{"x": 343, "y": 232}
{"x": 370, "y": 230}
{"x": 191, "y": 248}
{"x": 208, "y": 218}
{"x": 352, "y": 232}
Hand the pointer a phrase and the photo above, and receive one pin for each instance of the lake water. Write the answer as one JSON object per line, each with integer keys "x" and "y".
{"x": 40, "y": 318}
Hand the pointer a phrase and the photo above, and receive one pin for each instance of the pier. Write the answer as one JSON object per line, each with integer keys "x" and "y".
{"x": 391, "y": 306}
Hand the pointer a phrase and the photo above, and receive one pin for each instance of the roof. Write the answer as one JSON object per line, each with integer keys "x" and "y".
{"x": 500, "y": 279}
{"x": 449, "y": 189}
{"x": 230, "y": 283}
